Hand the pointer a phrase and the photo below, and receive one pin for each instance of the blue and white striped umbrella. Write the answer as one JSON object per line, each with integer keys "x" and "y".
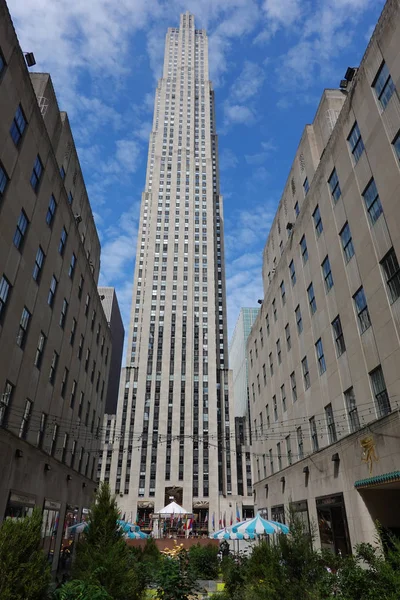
{"x": 136, "y": 535}
{"x": 259, "y": 526}
{"x": 228, "y": 534}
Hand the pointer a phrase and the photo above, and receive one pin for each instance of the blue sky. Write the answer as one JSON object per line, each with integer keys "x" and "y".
{"x": 269, "y": 61}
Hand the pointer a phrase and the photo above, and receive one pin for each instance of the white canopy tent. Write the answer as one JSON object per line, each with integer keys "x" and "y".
{"x": 172, "y": 509}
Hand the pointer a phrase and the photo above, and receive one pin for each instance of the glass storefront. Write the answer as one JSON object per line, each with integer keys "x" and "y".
{"x": 332, "y": 524}
{"x": 300, "y": 510}
{"x": 278, "y": 513}
{"x": 67, "y": 546}
{"x": 51, "y": 517}
{"x": 19, "y": 506}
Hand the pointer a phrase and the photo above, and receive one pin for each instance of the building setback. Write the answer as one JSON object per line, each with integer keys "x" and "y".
{"x": 110, "y": 305}
{"x": 55, "y": 342}
{"x": 174, "y": 421}
{"x": 242, "y": 412}
{"x": 326, "y": 437}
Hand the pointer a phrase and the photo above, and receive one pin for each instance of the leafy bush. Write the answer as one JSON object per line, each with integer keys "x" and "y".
{"x": 81, "y": 590}
{"x": 24, "y": 571}
{"x": 175, "y": 579}
{"x": 204, "y": 561}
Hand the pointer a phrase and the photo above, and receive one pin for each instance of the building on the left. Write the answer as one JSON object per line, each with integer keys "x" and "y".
{"x": 55, "y": 342}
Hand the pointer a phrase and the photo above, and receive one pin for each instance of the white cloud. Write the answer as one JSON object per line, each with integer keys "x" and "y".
{"x": 238, "y": 114}
{"x": 127, "y": 157}
{"x": 248, "y": 83}
{"x": 143, "y": 131}
{"x": 227, "y": 160}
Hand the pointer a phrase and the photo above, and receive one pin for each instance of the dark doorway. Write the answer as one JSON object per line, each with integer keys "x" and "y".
{"x": 332, "y": 524}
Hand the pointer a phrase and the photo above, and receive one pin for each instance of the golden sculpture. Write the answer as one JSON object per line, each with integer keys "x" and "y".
{"x": 369, "y": 455}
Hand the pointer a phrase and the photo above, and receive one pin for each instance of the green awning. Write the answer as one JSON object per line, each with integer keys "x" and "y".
{"x": 378, "y": 480}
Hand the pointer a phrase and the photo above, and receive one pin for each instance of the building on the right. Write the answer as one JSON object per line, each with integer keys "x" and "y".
{"x": 324, "y": 352}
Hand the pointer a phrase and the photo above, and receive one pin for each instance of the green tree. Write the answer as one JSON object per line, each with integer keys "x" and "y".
{"x": 103, "y": 557}
{"x": 204, "y": 561}
{"x": 24, "y": 571}
{"x": 175, "y": 579}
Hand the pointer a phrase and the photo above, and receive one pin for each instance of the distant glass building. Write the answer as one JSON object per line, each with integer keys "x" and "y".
{"x": 239, "y": 367}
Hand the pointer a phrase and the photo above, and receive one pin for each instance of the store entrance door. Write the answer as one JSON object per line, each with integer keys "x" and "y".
{"x": 332, "y": 524}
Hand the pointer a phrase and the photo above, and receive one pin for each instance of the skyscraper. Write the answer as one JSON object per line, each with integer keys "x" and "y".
{"x": 174, "y": 424}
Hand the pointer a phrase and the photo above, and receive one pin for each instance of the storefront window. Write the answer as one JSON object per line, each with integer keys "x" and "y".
{"x": 332, "y": 524}
{"x": 300, "y": 510}
{"x": 19, "y": 506}
{"x": 278, "y": 513}
{"x": 69, "y": 535}
{"x": 51, "y": 516}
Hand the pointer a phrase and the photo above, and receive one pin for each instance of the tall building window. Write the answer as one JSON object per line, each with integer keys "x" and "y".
{"x": 3, "y": 181}
{"x": 299, "y": 320}
{"x": 306, "y": 186}
{"x": 296, "y": 209}
{"x": 40, "y": 350}
{"x": 36, "y": 174}
{"x": 372, "y": 202}
{"x": 382, "y": 401}
{"x": 311, "y": 299}
{"x": 51, "y": 210}
{"x": 396, "y": 146}
{"x": 360, "y": 301}
{"x": 326, "y": 270}
{"x": 306, "y": 373}
{"x": 304, "y": 251}
{"x": 320, "y": 356}
{"x": 330, "y": 423}
{"x": 63, "y": 315}
{"x": 5, "y": 403}
{"x": 73, "y": 332}
{"x": 2, "y": 63}
{"x": 271, "y": 461}
{"x": 355, "y": 142}
{"x": 271, "y": 364}
{"x": 334, "y": 186}
{"x": 42, "y": 430}
{"x": 20, "y": 231}
{"x": 80, "y": 287}
{"x": 347, "y": 242}
{"x": 72, "y": 266}
{"x": 292, "y": 273}
{"x": 338, "y": 336}
{"x": 5, "y": 287}
{"x": 54, "y": 439}
{"x": 53, "y": 367}
{"x": 274, "y": 310}
{"x": 37, "y": 267}
{"x": 352, "y": 412}
{"x": 278, "y": 351}
{"x": 279, "y": 455}
{"x": 283, "y": 293}
{"x": 64, "y": 382}
{"x": 288, "y": 339}
{"x": 317, "y": 221}
{"x": 52, "y": 291}
{"x": 24, "y": 427}
{"x": 283, "y": 398}
{"x": 288, "y": 449}
{"x": 314, "y": 435}
{"x": 18, "y": 126}
{"x": 391, "y": 270}
{"x": 383, "y": 85}
{"x": 63, "y": 241}
{"x": 23, "y": 327}
{"x": 275, "y": 407}
{"x": 300, "y": 443}
{"x": 87, "y": 304}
